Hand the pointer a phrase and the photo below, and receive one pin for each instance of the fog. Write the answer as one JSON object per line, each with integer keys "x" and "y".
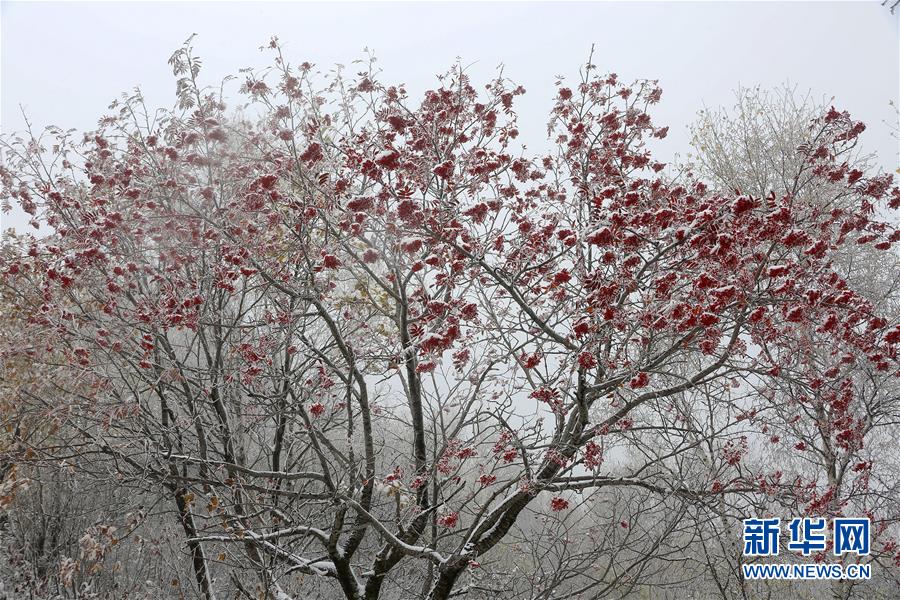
{"x": 62, "y": 63}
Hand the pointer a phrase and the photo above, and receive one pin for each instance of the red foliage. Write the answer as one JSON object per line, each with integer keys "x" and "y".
{"x": 343, "y": 265}
{"x": 558, "y": 504}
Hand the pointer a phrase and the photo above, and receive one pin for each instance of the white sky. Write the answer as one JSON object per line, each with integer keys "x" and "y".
{"x": 64, "y": 62}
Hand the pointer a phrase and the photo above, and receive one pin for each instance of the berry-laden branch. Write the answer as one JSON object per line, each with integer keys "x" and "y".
{"x": 367, "y": 346}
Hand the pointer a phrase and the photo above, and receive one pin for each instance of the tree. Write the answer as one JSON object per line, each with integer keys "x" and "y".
{"x": 361, "y": 346}
{"x": 752, "y": 148}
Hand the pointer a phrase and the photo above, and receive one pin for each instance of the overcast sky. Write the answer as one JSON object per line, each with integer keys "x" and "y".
{"x": 64, "y": 62}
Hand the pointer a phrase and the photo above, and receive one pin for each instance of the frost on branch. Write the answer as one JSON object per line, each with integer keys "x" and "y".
{"x": 361, "y": 343}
